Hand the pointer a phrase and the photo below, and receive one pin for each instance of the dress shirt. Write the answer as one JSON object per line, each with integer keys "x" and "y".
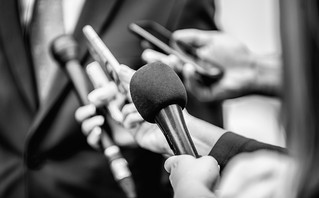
{"x": 71, "y": 12}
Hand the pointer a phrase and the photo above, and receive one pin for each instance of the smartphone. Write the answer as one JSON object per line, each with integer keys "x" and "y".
{"x": 101, "y": 53}
{"x": 160, "y": 39}
{"x": 163, "y": 35}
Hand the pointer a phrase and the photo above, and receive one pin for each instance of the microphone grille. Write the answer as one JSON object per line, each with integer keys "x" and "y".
{"x": 154, "y": 87}
{"x": 64, "y": 48}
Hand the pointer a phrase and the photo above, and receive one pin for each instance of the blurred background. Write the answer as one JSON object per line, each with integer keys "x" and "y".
{"x": 257, "y": 25}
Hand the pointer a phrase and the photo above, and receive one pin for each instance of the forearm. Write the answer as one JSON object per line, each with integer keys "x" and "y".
{"x": 204, "y": 134}
{"x": 268, "y": 78}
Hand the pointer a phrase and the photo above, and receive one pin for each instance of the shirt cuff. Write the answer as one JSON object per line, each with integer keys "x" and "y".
{"x": 230, "y": 144}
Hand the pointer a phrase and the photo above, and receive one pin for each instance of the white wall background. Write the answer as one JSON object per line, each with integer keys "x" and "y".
{"x": 256, "y": 24}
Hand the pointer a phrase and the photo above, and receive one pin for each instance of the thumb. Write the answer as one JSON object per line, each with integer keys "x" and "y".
{"x": 188, "y": 74}
{"x": 193, "y": 37}
{"x": 170, "y": 163}
{"x": 125, "y": 74}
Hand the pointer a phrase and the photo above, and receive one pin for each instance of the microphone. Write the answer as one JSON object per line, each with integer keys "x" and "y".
{"x": 159, "y": 96}
{"x": 65, "y": 51}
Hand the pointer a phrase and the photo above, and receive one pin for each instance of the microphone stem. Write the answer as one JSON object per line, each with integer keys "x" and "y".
{"x": 118, "y": 164}
{"x": 171, "y": 122}
{"x": 81, "y": 87}
{"x": 63, "y": 49}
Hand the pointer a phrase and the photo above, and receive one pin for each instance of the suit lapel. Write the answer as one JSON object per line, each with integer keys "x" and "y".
{"x": 15, "y": 50}
{"x": 94, "y": 13}
{"x": 97, "y": 14}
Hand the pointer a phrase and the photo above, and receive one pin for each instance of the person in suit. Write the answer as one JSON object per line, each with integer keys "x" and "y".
{"x": 42, "y": 150}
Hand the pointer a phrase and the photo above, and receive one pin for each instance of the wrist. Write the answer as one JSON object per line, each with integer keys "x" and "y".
{"x": 267, "y": 74}
{"x": 204, "y": 134}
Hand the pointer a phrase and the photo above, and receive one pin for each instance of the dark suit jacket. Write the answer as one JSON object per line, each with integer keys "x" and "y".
{"x": 42, "y": 150}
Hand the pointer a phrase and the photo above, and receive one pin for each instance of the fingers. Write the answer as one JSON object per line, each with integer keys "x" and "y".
{"x": 85, "y": 112}
{"x": 173, "y": 161}
{"x": 132, "y": 120}
{"x": 170, "y": 163}
{"x": 125, "y": 74}
{"x": 128, "y": 108}
{"x": 89, "y": 124}
{"x": 103, "y": 95}
{"x": 94, "y": 137}
{"x": 106, "y": 95}
{"x": 205, "y": 161}
{"x": 194, "y": 37}
{"x": 189, "y": 71}
{"x": 189, "y": 77}
{"x": 92, "y": 129}
{"x": 146, "y": 44}
{"x": 209, "y": 161}
{"x": 171, "y": 60}
{"x": 150, "y": 137}
{"x": 202, "y": 92}
{"x": 150, "y": 56}
{"x": 131, "y": 117}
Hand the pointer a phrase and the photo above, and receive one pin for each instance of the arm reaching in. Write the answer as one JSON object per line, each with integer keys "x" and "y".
{"x": 86, "y": 115}
{"x": 270, "y": 175}
{"x": 90, "y": 122}
{"x": 244, "y": 71}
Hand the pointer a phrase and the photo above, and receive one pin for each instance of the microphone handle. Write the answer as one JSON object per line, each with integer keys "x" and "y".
{"x": 118, "y": 164}
{"x": 78, "y": 78}
{"x": 171, "y": 122}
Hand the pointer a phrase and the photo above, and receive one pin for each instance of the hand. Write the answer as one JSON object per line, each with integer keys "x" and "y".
{"x": 235, "y": 83}
{"x": 244, "y": 71}
{"x": 215, "y": 48}
{"x": 86, "y": 115}
{"x": 125, "y": 74}
{"x": 150, "y": 137}
{"x": 191, "y": 177}
{"x": 121, "y": 136}
{"x": 261, "y": 174}
{"x": 150, "y": 55}
{"x": 108, "y": 95}
{"x": 221, "y": 49}
{"x": 146, "y": 135}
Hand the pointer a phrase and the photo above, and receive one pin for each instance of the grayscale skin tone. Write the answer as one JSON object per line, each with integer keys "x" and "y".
{"x": 143, "y": 134}
{"x": 244, "y": 71}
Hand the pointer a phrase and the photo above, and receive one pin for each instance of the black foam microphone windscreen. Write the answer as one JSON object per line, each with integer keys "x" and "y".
{"x": 154, "y": 87}
{"x": 159, "y": 96}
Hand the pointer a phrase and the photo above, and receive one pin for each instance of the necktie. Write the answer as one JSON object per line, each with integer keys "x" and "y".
{"x": 47, "y": 24}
